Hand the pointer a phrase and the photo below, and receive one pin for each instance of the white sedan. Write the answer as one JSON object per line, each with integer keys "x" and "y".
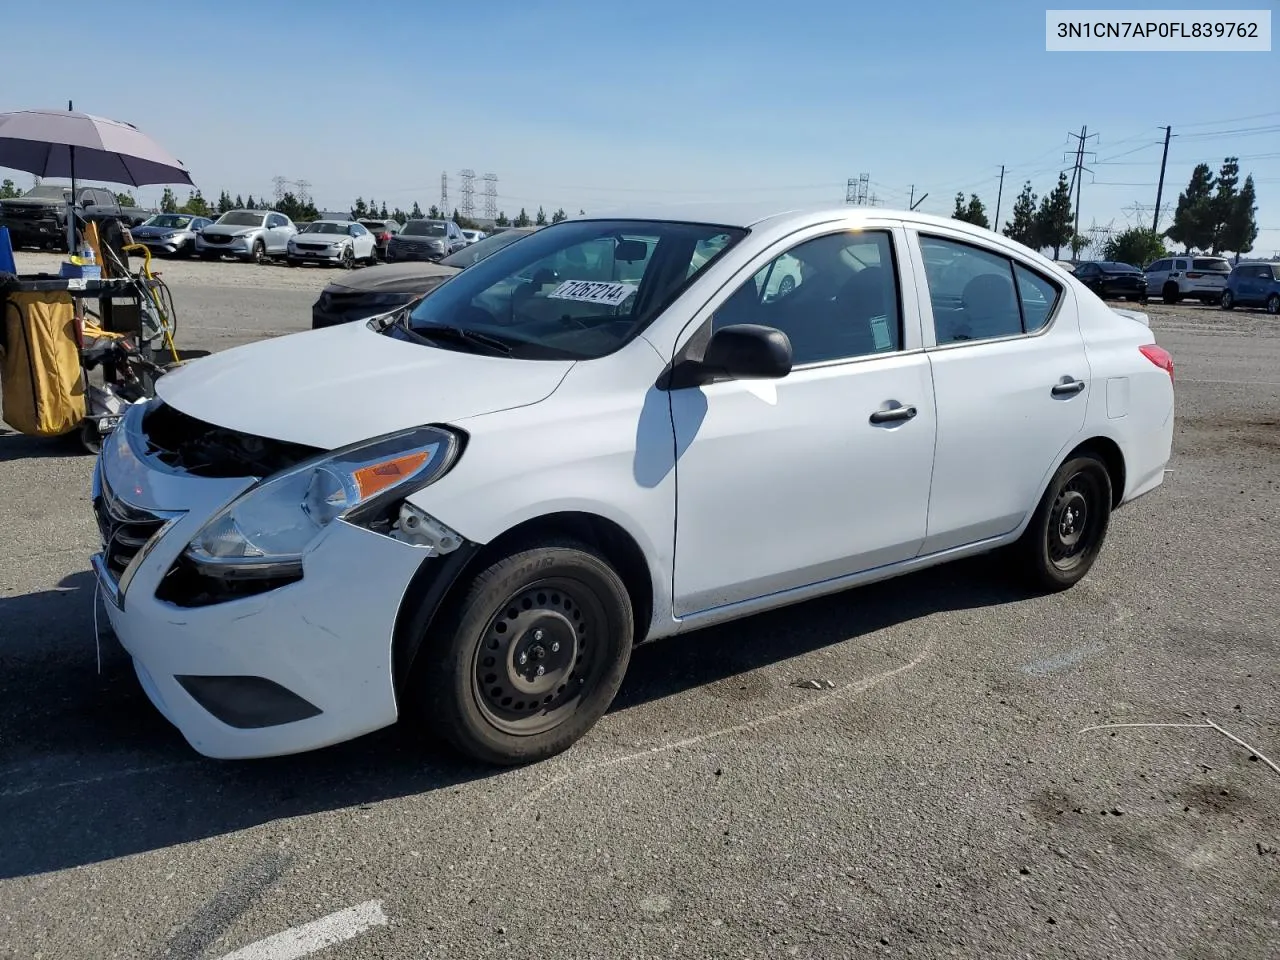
{"x": 343, "y": 242}
{"x": 470, "y": 510}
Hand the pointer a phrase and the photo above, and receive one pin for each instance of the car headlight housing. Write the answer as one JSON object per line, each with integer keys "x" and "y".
{"x": 267, "y": 529}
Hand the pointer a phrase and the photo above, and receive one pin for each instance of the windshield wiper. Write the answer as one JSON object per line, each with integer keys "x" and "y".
{"x": 458, "y": 335}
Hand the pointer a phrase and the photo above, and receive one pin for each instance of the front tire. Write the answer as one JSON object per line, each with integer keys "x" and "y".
{"x": 1170, "y": 294}
{"x": 1067, "y": 531}
{"x": 529, "y": 657}
{"x": 1273, "y": 304}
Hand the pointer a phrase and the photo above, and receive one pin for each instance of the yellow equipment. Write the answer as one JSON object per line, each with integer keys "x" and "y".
{"x": 42, "y": 383}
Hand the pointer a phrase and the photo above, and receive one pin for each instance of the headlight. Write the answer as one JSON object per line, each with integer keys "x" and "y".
{"x": 266, "y": 530}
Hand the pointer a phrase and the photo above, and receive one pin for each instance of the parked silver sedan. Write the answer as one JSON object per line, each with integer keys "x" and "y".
{"x": 170, "y": 233}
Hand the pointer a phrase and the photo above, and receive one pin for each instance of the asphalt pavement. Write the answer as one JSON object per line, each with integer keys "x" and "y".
{"x": 903, "y": 769}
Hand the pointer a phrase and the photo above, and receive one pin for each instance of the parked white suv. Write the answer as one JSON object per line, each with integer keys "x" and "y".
{"x": 1201, "y": 277}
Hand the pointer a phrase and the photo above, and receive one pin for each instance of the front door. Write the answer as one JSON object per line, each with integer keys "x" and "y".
{"x": 1012, "y": 382}
{"x": 825, "y": 472}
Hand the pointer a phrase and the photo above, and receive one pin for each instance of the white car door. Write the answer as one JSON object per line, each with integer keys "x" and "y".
{"x": 1011, "y": 380}
{"x": 825, "y": 472}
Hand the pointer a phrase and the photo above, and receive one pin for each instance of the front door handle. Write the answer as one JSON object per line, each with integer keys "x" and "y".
{"x": 1067, "y": 388}
{"x": 896, "y": 415}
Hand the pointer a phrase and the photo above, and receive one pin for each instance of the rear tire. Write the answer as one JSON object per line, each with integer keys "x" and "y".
{"x": 1273, "y": 304}
{"x": 557, "y": 607}
{"x": 1228, "y": 300}
{"x": 1069, "y": 527}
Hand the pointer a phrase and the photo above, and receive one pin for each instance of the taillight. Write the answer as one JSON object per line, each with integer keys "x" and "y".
{"x": 1161, "y": 357}
{"x": 1194, "y": 276}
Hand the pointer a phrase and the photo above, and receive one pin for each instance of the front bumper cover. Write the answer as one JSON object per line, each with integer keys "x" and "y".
{"x": 302, "y": 666}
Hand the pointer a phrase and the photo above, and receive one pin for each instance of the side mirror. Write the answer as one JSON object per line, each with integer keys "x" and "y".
{"x": 744, "y": 351}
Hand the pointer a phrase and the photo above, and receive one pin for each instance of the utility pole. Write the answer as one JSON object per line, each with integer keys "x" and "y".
{"x": 920, "y": 201}
{"x": 1077, "y": 177}
{"x": 995, "y": 224}
{"x": 1155, "y": 219}
{"x": 912, "y": 200}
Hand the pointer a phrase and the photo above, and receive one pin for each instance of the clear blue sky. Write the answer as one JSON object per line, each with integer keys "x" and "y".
{"x": 588, "y": 105}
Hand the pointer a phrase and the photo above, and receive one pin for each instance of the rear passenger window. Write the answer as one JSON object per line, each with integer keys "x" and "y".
{"x": 980, "y": 295}
{"x": 1037, "y": 296}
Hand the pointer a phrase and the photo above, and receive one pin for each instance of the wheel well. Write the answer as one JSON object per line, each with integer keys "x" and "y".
{"x": 1109, "y": 453}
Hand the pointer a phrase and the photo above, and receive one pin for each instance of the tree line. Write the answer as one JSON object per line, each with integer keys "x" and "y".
{"x": 1214, "y": 214}
{"x": 301, "y": 211}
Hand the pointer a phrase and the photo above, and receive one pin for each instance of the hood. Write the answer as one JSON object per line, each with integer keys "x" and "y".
{"x": 157, "y": 231}
{"x": 229, "y": 229}
{"x": 33, "y": 202}
{"x": 394, "y": 278}
{"x": 416, "y": 238}
{"x": 314, "y": 237}
{"x": 338, "y": 385}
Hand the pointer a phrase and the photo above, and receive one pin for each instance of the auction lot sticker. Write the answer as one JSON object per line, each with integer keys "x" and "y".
{"x": 593, "y": 291}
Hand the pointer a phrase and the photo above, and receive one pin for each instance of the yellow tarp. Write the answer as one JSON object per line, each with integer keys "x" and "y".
{"x": 41, "y": 384}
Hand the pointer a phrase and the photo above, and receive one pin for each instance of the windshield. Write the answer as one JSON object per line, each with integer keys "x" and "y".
{"x": 1211, "y": 265}
{"x": 174, "y": 221}
{"x": 577, "y": 290}
{"x": 482, "y": 248}
{"x": 242, "y": 218}
{"x": 423, "y": 228}
{"x": 45, "y": 192}
{"x": 325, "y": 226}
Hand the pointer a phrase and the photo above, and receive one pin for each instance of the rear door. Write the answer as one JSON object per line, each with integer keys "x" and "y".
{"x": 1011, "y": 382}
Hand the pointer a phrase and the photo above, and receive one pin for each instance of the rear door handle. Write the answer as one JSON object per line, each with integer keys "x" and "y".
{"x": 895, "y": 415}
{"x": 1067, "y": 388}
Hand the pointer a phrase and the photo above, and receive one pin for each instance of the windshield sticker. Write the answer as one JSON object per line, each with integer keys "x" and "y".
{"x": 880, "y": 332}
{"x": 593, "y": 291}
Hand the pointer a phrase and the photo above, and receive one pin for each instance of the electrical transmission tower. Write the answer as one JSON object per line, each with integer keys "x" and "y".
{"x": 468, "y": 193}
{"x": 444, "y": 193}
{"x": 490, "y": 196}
{"x": 855, "y": 191}
{"x": 302, "y": 188}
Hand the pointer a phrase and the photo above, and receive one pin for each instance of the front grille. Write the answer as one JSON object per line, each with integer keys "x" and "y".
{"x": 216, "y": 238}
{"x": 312, "y": 246}
{"x": 29, "y": 213}
{"x": 125, "y": 530}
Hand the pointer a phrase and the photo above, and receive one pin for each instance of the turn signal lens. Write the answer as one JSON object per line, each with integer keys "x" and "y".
{"x": 379, "y": 476}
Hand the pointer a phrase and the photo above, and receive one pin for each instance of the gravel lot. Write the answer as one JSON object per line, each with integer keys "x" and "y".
{"x": 936, "y": 797}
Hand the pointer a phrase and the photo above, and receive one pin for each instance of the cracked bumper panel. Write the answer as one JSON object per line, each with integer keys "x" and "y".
{"x": 325, "y": 639}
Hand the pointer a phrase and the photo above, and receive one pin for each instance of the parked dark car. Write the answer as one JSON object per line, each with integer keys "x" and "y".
{"x": 1254, "y": 284}
{"x": 38, "y": 218}
{"x": 383, "y": 288}
{"x": 383, "y": 231}
{"x": 425, "y": 240}
{"x": 1113, "y": 281}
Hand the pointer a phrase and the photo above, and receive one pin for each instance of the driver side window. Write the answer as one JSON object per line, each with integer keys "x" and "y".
{"x": 835, "y": 297}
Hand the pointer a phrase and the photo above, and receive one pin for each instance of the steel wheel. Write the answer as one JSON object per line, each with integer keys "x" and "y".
{"x": 1067, "y": 530}
{"x": 525, "y": 657}
{"x": 535, "y": 657}
{"x": 1072, "y": 525}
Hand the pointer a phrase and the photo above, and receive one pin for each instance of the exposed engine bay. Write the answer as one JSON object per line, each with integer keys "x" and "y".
{"x": 204, "y": 450}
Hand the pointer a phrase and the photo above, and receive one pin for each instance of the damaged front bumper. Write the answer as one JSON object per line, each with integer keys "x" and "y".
{"x": 281, "y": 668}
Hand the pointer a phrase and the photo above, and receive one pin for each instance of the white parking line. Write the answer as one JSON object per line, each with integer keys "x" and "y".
{"x": 306, "y": 939}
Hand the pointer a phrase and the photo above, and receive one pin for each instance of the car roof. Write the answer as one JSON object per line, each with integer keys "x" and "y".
{"x": 751, "y": 214}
